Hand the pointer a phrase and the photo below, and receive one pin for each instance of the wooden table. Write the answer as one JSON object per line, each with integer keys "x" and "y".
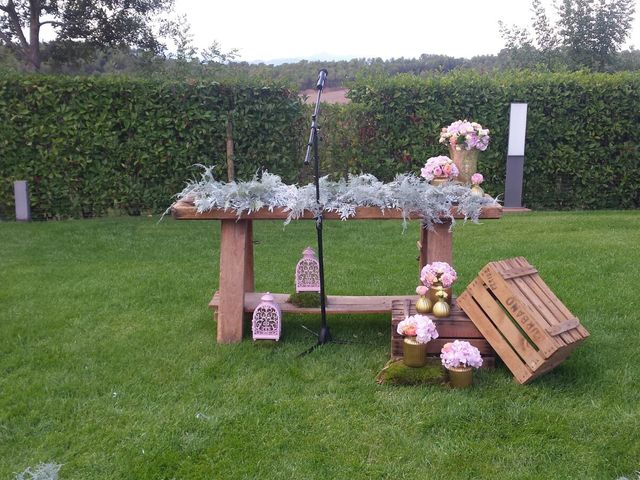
{"x": 237, "y": 293}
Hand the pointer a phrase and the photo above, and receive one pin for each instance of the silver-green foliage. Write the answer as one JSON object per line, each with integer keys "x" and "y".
{"x": 408, "y": 193}
{"x": 43, "y": 471}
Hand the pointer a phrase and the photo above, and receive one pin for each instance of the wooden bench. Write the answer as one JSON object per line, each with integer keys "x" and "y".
{"x": 237, "y": 294}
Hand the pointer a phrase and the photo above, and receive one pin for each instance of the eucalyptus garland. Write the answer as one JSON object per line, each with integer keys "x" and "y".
{"x": 407, "y": 192}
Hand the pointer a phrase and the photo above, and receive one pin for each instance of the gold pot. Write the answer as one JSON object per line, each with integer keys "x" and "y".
{"x": 423, "y": 305}
{"x": 460, "y": 377}
{"x": 466, "y": 161}
{"x": 439, "y": 181}
{"x": 441, "y": 309}
{"x": 414, "y": 353}
{"x": 477, "y": 191}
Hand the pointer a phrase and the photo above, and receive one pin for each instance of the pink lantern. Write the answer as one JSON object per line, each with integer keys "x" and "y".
{"x": 308, "y": 272}
{"x": 267, "y": 319}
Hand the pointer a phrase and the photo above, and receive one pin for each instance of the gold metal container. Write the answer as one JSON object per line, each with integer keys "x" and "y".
{"x": 423, "y": 305}
{"x": 439, "y": 181}
{"x": 441, "y": 309}
{"x": 477, "y": 191}
{"x": 460, "y": 377}
{"x": 466, "y": 161}
{"x": 414, "y": 353}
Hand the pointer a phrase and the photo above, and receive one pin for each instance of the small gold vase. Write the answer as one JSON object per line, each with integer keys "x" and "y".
{"x": 441, "y": 309}
{"x": 466, "y": 161}
{"x": 423, "y": 305}
{"x": 460, "y": 377}
{"x": 477, "y": 191}
{"x": 414, "y": 353}
{"x": 433, "y": 293}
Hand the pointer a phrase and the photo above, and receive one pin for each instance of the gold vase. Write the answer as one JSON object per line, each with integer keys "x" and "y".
{"x": 423, "y": 305}
{"x": 414, "y": 353}
{"x": 433, "y": 290}
{"x": 466, "y": 161}
{"x": 477, "y": 191}
{"x": 439, "y": 181}
{"x": 441, "y": 309}
{"x": 460, "y": 377}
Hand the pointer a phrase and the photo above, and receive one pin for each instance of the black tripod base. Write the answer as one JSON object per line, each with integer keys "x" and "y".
{"x": 324, "y": 337}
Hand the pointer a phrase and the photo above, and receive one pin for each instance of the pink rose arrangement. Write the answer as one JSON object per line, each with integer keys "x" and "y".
{"x": 460, "y": 354}
{"x": 477, "y": 179}
{"x": 465, "y": 135}
{"x": 441, "y": 166}
{"x": 419, "y": 326}
{"x": 438, "y": 272}
{"x": 422, "y": 290}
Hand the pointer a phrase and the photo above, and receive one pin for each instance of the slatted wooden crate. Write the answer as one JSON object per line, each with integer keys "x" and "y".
{"x": 456, "y": 326}
{"x": 528, "y": 327}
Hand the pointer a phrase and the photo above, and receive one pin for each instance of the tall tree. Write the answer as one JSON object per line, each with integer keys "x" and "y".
{"x": 588, "y": 32}
{"x": 91, "y": 23}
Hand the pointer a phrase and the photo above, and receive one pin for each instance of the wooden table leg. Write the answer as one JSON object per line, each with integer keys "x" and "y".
{"x": 236, "y": 274}
{"x": 436, "y": 244}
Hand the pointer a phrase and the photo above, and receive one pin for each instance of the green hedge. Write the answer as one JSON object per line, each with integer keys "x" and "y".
{"x": 88, "y": 145}
{"x": 582, "y": 130}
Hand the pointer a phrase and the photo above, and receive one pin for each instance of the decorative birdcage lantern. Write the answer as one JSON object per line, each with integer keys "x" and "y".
{"x": 267, "y": 318}
{"x": 308, "y": 272}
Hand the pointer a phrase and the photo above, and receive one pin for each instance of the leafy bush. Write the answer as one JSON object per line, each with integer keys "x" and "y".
{"x": 88, "y": 145}
{"x": 582, "y": 141}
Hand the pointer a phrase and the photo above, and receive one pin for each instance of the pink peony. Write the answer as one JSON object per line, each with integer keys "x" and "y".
{"x": 422, "y": 290}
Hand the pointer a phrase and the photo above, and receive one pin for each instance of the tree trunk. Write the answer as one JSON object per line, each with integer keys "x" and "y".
{"x": 34, "y": 36}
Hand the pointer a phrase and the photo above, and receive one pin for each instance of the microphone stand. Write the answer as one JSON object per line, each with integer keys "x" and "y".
{"x": 324, "y": 336}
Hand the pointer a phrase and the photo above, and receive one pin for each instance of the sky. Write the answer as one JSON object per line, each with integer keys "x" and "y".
{"x": 284, "y": 29}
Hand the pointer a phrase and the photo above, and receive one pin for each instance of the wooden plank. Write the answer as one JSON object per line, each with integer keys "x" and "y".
{"x": 563, "y": 327}
{"x": 233, "y": 244}
{"x": 539, "y": 293}
{"x": 520, "y": 310}
{"x": 545, "y": 317}
{"x": 183, "y": 210}
{"x": 554, "y": 300}
{"x": 518, "y": 368}
{"x": 504, "y": 323}
{"x": 336, "y": 304}
{"x": 519, "y": 272}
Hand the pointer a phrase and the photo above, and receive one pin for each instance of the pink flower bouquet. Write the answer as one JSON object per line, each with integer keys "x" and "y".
{"x": 438, "y": 272}
{"x": 477, "y": 179}
{"x": 460, "y": 354}
{"x": 465, "y": 135}
{"x": 441, "y": 166}
{"x": 420, "y": 326}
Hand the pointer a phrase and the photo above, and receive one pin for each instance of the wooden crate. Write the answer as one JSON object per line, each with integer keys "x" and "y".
{"x": 528, "y": 327}
{"x": 456, "y": 326}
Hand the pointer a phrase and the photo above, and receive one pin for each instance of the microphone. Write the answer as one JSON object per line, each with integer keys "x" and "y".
{"x": 322, "y": 76}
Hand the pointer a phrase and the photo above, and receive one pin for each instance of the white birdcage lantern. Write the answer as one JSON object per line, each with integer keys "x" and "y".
{"x": 308, "y": 272}
{"x": 267, "y": 319}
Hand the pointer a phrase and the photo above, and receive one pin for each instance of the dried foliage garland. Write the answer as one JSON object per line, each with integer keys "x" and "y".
{"x": 407, "y": 192}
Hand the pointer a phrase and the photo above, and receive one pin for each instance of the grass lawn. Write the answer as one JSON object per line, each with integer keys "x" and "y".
{"x": 108, "y": 360}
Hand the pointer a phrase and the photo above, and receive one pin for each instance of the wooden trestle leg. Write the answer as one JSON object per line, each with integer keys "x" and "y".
{"x": 436, "y": 244}
{"x": 236, "y": 277}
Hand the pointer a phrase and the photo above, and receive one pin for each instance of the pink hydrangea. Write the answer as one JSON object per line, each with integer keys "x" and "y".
{"x": 420, "y": 326}
{"x": 465, "y": 135}
{"x": 438, "y": 272}
{"x": 477, "y": 178}
{"x": 460, "y": 354}
{"x": 441, "y": 166}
